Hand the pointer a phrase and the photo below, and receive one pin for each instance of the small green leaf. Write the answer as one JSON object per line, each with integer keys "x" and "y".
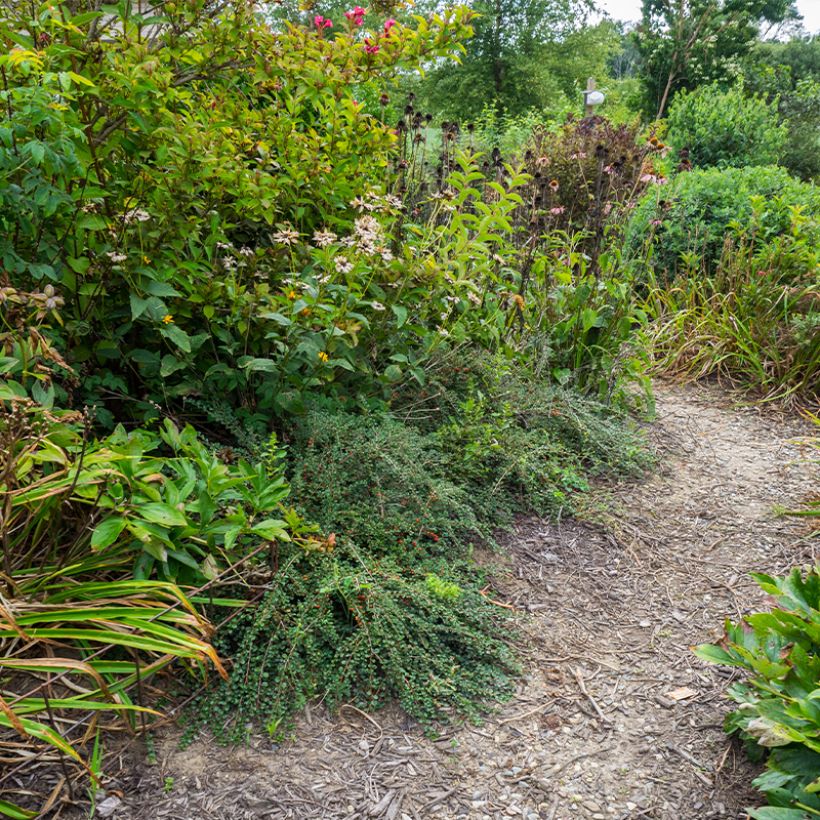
{"x": 393, "y": 373}
{"x": 400, "y": 313}
{"x": 178, "y": 336}
{"x": 714, "y": 654}
{"x": 107, "y": 532}
{"x": 158, "y": 513}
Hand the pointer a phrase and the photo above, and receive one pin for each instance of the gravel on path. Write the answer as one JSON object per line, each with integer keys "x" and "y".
{"x": 614, "y": 717}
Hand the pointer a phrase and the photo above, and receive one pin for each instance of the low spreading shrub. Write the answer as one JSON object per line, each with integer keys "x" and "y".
{"x": 381, "y": 484}
{"x": 349, "y": 628}
{"x": 683, "y": 226}
{"x": 726, "y": 128}
{"x": 389, "y": 605}
{"x": 778, "y": 711}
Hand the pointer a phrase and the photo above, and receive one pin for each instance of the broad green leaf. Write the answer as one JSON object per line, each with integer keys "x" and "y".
{"x": 159, "y": 513}
{"x": 107, "y": 532}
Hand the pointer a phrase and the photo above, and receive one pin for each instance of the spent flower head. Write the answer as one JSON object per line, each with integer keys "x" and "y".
{"x": 285, "y": 236}
{"x": 324, "y": 238}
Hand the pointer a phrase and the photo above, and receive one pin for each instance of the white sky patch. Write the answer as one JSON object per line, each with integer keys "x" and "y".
{"x": 631, "y": 10}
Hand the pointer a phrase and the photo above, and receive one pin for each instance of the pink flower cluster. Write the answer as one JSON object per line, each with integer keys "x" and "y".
{"x": 372, "y": 47}
{"x": 322, "y": 22}
{"x": 356, "y": 16}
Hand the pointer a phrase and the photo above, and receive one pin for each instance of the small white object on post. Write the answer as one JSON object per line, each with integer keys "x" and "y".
{"x": 592, "y": 98}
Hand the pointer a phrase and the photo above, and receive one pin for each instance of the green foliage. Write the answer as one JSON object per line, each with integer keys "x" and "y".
{"x": 693, "y": 42}
{"x": 164, "y": 217}
{"x": 777, "y": 703}
{"x": 726, "y": 128}
{"x": 380, "y": 484}
{"x": 756, "y": 321}
{"x": 152, "y": 503}
{"x": 388, "y": 605}
{"x": 362, "y": 631}
{"x": 76, "y": 516}
{"x": 684, "y": 225}
{"x": 481, "y": 443}
{"x": 519, "y": 445}
{"x": 790, "y": 73}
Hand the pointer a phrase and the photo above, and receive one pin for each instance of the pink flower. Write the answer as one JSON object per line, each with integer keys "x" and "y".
{"x": 558, "y": 210}
{"x": 370, "y": 47}
{"x": 388, "y": 24}
{"x": 356, "y": 15}
{"x": 322, "y": 22}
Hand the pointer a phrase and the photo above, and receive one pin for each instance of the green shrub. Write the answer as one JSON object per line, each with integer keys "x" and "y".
{"x": 801, "y": 113}
{"x": 726, "y": 128}
{"x": 165, "y": 218}
{"x": 379, "y": 484}
{"x": 522, "y": 444}
{"x": 351, "y": 629}
{"x": 684, "y": 225}
{"x": 778, "y": 702}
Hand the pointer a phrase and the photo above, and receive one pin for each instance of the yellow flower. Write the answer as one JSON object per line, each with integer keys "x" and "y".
{"x": 323, "y": 356}
{"x": 292, "y": 294}
{"x": 167, "y": 319}
{"x": 145, "y": 260}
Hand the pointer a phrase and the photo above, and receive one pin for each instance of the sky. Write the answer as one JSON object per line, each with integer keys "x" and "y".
{"x": 631, "y": 10}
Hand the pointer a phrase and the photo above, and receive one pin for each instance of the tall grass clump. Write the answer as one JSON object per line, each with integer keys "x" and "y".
{"x": 755, "y": 322}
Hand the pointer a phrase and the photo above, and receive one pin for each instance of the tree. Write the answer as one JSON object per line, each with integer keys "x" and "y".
{"x": 686, "y": 43}
{"x": 789, "y": 73}
{"x": 513, "y": 62}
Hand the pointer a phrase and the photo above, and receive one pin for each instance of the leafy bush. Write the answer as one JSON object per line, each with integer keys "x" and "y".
{"x": 801, "y": 154}
{"x": 380, "y": 484}
{"x": 756, "y": 321}
{"x": 484, "y": 441}
{"x": 724, "y": 129}
{"x": 683, "y": 226}
{"x": 777, "y": 703}
{"x": 164, "y": 217}
{"x": 789, "y": 72}
{"x": 521, "y": 445}
{"x": 389, "y": 605}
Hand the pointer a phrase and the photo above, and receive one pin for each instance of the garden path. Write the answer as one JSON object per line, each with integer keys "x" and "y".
{"x": 615, "y": 717}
